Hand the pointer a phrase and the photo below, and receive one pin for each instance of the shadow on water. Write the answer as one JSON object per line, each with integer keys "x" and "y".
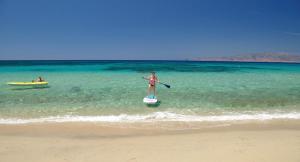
{"x": 29, "y": 88}
{"x": 154, "y": 105}
{"x": 75, "y": 89}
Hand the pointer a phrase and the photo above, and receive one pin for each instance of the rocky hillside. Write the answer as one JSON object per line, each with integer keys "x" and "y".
{"x": 257, "y": 57}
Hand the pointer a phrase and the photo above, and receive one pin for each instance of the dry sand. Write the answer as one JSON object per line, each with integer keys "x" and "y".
{"x": 90, "y": 142}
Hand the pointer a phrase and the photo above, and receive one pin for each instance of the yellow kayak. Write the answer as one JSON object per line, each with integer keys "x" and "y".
{"x": 27, "y": 83}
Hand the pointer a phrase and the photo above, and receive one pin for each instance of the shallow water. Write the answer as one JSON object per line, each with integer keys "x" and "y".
{"x": 111, "y": 88}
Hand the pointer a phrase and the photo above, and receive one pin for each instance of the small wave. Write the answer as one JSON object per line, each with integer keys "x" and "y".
{"x": 153, "y": 117}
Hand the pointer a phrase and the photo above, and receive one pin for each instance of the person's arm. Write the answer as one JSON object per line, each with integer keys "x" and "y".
{"x": 147, "y": 78}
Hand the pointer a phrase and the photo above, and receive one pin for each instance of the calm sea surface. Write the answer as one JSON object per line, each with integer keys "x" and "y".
{"x": 114, "y": 90}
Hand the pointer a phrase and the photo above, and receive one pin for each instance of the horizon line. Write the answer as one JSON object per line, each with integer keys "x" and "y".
{"x": 187, "y": 60}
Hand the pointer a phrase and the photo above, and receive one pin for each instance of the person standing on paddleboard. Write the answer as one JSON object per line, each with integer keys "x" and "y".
{"x": 152, "y": 80}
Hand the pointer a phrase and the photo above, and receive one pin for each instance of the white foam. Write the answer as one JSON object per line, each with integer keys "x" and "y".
{"x": 153, "y": 117}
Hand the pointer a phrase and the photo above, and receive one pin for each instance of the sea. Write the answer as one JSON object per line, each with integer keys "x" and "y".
{"x": 108, "y": 91}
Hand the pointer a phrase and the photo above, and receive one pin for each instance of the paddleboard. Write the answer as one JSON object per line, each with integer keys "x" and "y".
{"x": 27, "y": 83}
{"x": 151, "y": 99}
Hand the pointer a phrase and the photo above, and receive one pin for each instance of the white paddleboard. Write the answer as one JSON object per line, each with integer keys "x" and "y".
{"x": 151, "y": 99}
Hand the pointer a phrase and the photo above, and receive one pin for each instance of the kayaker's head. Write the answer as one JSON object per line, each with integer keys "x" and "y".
{"x": 40, "y": 79}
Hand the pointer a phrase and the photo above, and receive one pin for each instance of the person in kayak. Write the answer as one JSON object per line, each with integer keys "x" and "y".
{"x": 39, "y": 79}
{"x": 152, "y": 80}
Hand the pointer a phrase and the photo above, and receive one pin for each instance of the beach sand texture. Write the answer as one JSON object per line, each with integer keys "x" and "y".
{"x": 93, "y": 143}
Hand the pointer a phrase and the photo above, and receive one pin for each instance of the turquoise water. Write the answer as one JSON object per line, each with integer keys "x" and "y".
{"x": 111, "y": 88}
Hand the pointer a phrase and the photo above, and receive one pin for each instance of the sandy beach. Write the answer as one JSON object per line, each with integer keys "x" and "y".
{"x": 260, "y": 142}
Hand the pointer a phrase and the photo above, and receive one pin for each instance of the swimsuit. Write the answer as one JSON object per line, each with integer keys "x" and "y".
{"x": 152, "y": 81}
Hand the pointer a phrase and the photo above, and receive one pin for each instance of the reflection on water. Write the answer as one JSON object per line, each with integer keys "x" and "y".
{"x": 20, "y": 88}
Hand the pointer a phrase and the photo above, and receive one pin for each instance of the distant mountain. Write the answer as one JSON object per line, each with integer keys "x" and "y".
{"x": 256, "y": 57}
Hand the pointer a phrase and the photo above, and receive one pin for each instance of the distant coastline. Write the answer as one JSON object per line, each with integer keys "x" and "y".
{"x": 257, "y": 57}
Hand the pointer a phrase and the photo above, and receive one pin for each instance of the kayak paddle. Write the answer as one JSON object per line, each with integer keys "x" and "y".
{"x": 168, "y": 86}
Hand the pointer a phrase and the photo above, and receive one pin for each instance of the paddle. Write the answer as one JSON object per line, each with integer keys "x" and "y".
{"x": 168, "y": 86}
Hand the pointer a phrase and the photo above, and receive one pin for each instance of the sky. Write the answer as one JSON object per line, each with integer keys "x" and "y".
{"x": 146, "y": 29}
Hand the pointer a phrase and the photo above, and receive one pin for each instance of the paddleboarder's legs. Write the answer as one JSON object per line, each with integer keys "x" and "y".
{"x": 151, "y": 88}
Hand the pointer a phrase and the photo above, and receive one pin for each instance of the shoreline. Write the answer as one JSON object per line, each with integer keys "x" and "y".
{"x": 87, "y": 128}
{"x": 271, "y": 141}
{"x": 157, "y": 117}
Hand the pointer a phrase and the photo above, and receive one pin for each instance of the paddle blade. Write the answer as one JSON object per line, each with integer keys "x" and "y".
{"x": 168, "y": 86}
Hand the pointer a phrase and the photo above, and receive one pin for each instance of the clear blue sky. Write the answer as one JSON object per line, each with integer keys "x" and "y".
{"x": 152, "y": 29}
